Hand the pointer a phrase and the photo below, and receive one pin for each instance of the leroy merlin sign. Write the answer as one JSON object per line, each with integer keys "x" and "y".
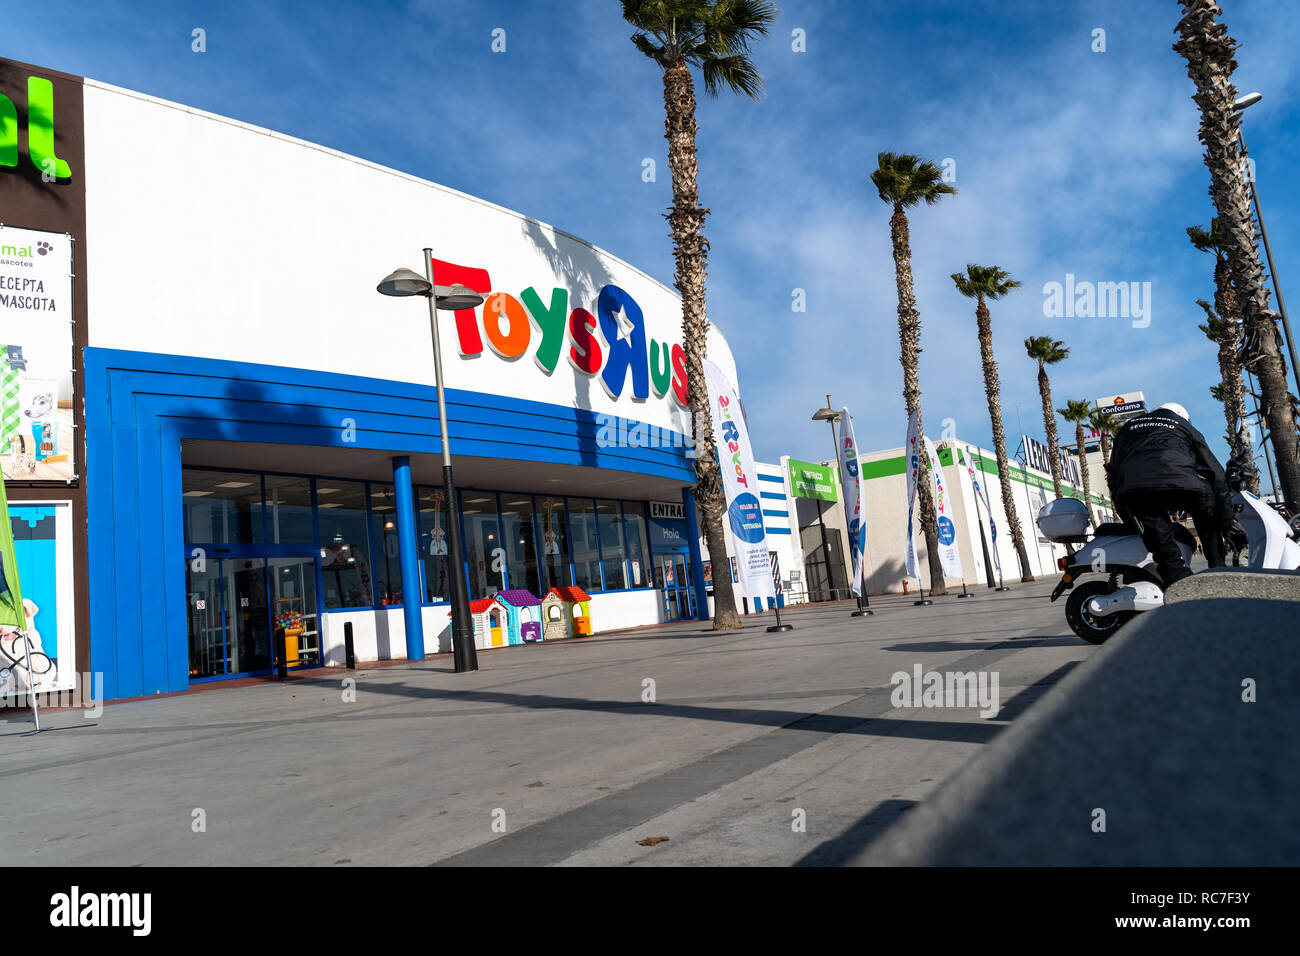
{"x": 812, "y": 481}
{"x": 40, "y": 131}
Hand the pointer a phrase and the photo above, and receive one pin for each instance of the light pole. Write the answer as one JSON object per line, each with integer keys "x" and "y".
{"x": 1244, "y": 103}
{"x": 830, "y": 414}
{"x": 405, "y": 282}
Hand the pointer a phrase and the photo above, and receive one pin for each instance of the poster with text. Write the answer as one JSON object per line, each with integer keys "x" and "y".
{"x": 43, "y": 550}
{"x": 36, "y": 313}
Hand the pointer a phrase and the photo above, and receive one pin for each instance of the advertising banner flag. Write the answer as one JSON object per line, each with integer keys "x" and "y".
{"x": 967, "y": 460}
{"x": 949, "y": 555}
{"x": 912, "y": 454}
{"x": 11, "y": 596}
{"x": 740, "y": 480}
{"x": 851, "y": 480}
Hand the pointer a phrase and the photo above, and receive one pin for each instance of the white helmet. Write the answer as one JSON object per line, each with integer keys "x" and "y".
{"x": 1176, "y": 409}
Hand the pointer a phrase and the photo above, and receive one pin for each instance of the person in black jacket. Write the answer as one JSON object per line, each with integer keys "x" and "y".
{"x": 1160, "y": 463}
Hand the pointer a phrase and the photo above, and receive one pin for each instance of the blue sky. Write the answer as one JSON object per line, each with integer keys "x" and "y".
{"x": 1067, "y": 161}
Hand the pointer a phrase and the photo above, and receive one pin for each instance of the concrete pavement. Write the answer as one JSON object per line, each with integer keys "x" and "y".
{"x": 757, "y": 749}
{"x": 1175, "y": 746}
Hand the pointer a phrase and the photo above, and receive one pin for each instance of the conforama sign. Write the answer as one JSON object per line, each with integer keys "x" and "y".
{"x": 620, "y": 351}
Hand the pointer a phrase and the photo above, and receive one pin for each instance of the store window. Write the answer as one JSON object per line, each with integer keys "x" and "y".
{"x": 552, "y": 516}
{"x": 387, "y": 548}
{"x": 483, "y": 551}
{"x": 609, "y": 516}
{"x": 433, "y": 544}
{"x": 519, "y": 538}
{"x": 344, "y": 544}
{"x": 638, "y": 548}
{"x": 288, "y": 510}
{"x": 586, "y": 544}
{"x": 222, "y": 507}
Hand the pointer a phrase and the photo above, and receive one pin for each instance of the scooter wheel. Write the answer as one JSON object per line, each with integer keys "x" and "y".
{"x": 1094, "y": 630}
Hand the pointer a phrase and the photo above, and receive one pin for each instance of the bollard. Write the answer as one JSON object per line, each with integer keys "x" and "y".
{"x": 281, "y": 664}
{"x": 349, "y": 657}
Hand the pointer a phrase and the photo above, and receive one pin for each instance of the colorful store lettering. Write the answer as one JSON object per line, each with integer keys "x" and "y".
{"x": 40, "y": 131}
{"x": 508, "y": 324}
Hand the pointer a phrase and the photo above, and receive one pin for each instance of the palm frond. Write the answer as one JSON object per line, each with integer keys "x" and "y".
{"x": 907, "y": 180}
{"x": 736, "y": 72}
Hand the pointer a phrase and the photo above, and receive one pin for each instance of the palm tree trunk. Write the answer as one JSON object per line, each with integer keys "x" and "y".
{"x": 909, "y": 336}
{"x": 1083, "y": 472}
{"x": 1049, "y": 425}
{"x": 1208, "y": 49}
{"x": 1234, "y": 396}
{"x": 993, "y": 391}
{"x": 691, "y": 252}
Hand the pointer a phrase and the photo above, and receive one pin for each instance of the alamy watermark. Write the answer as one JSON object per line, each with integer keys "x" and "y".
{"x": 87, "y": 695}
{"x": 615, "y": 431}
{"x": 947, "y": 689}
{"x": 1083, "y": 299}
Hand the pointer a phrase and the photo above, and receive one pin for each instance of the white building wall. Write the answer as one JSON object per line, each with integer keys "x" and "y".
{"x": 227, "y": 241}
{"x": 886, "y": 508}
{"x": 781, "y": 524}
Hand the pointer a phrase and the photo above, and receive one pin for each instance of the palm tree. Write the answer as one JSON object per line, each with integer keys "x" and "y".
{"x": 904, "y": 181}
{"x": 1208, "y": 49}
{"x": 1231, "y": 392}
{"x": 713, "y": 36}
{"x": 1107, "y": 425}
{"x": 1048, "y": 351}
{"x": 1222, "y": 330}
{"x": 981, "y": 283}
{"x": 1079, "y": 411}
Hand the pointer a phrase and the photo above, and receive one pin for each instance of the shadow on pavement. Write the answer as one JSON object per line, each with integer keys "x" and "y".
{"x": 839, "y": 850}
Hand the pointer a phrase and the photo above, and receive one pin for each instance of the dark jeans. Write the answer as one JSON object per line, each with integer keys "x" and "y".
{"x": 1150, "y": 510}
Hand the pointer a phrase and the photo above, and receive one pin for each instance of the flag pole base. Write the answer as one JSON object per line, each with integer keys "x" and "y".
{"x": 863, "y": 612}
{"x": 778, "y": 626}
{"x": 1003, "y": 588}
{"x": 921, "y": 603}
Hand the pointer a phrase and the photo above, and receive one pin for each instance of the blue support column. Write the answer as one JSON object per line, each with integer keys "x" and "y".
{"x": 408, "y": 547}
{"x": 697, "y": 557}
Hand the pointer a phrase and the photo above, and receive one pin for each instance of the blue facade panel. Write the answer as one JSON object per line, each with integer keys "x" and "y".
{"x": 141, "y": 406}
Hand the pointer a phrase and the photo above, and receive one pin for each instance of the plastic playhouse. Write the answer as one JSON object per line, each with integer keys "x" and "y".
{"x": 557, "y": 624}
{"x": 578, "y": 614}
{"x": 491, "y": 622}
{"x": 523, "y": 615}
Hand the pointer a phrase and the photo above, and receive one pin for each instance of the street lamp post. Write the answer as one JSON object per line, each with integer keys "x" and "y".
{"x": 405, "y": 282}
{"x": 1243, "y": 103}
{"x": 829, "y": 414}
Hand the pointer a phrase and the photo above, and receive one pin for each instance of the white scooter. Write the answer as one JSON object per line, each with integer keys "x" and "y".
{"x": 1131, "y": 584}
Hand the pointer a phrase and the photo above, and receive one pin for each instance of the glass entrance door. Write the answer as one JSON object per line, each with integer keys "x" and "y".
{"x": 239, "y": 606}
{"x": 206, "y": 627}
{"x": 295, "y": 617}
{"x": 673, "y": 577}
{"x": 248, "y": 628}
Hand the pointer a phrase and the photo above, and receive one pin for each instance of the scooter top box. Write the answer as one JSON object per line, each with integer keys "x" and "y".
{"x": 1065, "y": 519}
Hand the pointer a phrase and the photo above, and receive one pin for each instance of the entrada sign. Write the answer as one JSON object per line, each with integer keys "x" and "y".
{"x": 667, "y": 509}
{"x": 40, "y": 131}
{"x": 508, "y": 324}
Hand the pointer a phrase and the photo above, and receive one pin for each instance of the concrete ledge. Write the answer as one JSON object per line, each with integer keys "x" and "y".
{"x": 1236, "y": 583}
{"x": 1153, "y": 731}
